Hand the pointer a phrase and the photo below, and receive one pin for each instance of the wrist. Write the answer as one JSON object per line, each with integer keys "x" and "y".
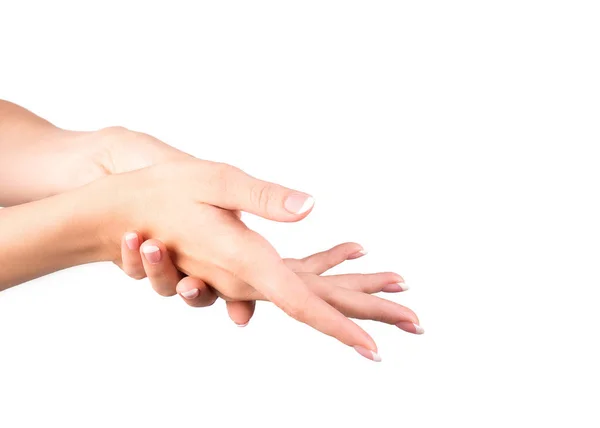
{"x": 51, "y": 234}
{"x": 110, "y": 207}
{"x": 76, "y": 159}
{"x": 101, "y": 215}
{"x": 49, "y": 162}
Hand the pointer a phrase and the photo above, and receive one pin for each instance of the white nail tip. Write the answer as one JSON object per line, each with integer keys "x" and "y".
{"x": 190, "y": 294}
{"x": 242, "y": 325}
{"x": 130, "y": 236}
{"x": 150, "y": 249}
{"x": 367, "y": 353}
{"x": 419, "y": 329}
{"x": 403, "y": 286}
{"x": 307, "y": 205}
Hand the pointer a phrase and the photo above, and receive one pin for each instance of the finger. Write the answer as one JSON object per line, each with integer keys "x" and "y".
{"x": 228, "y": 187}
{"x": 195, "y": 292}
{"x": 388, "y": 282}
{"x": 321, "y": 262}
{"x": 257, "y": 263}
{"x": 359, "y": 305}
{"x": 130, "y": 255}
{"x": 161, "y": 271}
{"x": 241, "y": 312}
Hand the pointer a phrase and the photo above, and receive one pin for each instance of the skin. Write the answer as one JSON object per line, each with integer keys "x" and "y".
{"x": 210, "y": 242}
{"x": 337, "y": 290}
{"x": 119, "y": 180}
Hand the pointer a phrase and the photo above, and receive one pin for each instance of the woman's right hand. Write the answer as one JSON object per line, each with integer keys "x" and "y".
{"x": 189, "y": 205}
{"x": 152, "y": 259}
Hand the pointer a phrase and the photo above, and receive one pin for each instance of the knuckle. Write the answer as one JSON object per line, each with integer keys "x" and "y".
{"x": 117, "y": 134}
{"x": 261, "y": 195}
{"x": 222, "y": 171}
{"x": 115, "y": 131}
{"x": 219, "y": 176}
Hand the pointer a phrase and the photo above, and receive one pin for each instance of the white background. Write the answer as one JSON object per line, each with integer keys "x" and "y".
{"x": 457, "y": 141}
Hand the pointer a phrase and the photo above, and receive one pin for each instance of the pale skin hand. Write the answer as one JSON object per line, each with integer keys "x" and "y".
{"x": 348, "y": 293}
{"x": 188, "y": 205}
{"x": 88, "y": 156}
{"x": 40, "y": 160}
{"x": 124, "y": 148}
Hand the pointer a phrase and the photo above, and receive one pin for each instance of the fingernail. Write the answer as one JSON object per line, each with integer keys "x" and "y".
{"x": 410, "y": 327}
{"x": 132, "y": 241}
{"x": 395, "y": 288}
{"x": 242, "y": 325}
{"x": 152, "y": 253}
{"x": 371, "y": 355}
{"x": 357, "y": 254}
{"x": 190, "y": 294}
{"x": 298, "y": 203}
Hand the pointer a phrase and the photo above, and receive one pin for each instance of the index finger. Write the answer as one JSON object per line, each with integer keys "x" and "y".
{"x": 256, "y": 262}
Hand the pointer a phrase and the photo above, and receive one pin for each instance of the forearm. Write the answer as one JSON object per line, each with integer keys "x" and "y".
{"x": 48, "y": 235}
{"x": 38, "y": 160}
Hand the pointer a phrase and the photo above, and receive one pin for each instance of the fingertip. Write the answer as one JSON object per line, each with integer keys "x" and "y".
{"x": 188, "y": 285}
{"x": 357, "y": 254}
{"x": 298, "y": 203}
{"x": 190, "y": 294}
{"x": 241, "y": 312}
{"x": 153, "y": 251}
{"x": 368, "y": 354}
{"x": 131, "y": 262}
{"x": 132, "y": 240}
{"x": 410, "y": 327}
{"x": 349, "y": 250}
{"x": 195, "y": 292}
{"x": 395, "y": 288}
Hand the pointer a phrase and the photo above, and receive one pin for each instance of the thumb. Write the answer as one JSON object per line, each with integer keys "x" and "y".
{"x": 233, "y": 189}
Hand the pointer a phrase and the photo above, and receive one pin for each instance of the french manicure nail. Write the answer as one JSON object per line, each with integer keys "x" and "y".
{"x": 394, "y": 288}
{"x": 410, "y": 327}
{"x": 190, "y": 294}
{"x": 242, "y": 325}
{"x": 371, "y": 355}
{"x": 152, "y": 253}
{"x": 299, "y": 203}
{"x": 358, "y": 254}
{"x": 132, "y": 241}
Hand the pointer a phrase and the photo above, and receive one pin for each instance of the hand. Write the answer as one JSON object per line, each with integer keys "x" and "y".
{"x": 153, "y": 260}
{"x": 64, "y": 160}
{"x": 178, "y": 203}
{"x": 116, "y": 150}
